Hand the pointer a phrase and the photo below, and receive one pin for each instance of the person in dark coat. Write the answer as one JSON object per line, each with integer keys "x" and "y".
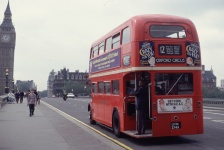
{"x": 17, "y": 96}
{"x": 141, "y": 93}
{"x": 38, "y": 98}
{"x": 21, "y": 95}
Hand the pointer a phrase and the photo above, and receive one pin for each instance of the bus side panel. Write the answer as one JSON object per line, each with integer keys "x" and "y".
{"x": 198, "y": 102}
{"x": 130, "y": 115}
{"x": 198, "y": 114}
{"x": 129, "y": 122}
{"x": 108, "y": 109}
{"x": 160, "y": 125}
{"x": 94, "y": 107}
{"x": 190, "y": 123}
{"x": 98, "y": 108}
{"x": 200, "y": 124}
{"x": 120, "y": 106}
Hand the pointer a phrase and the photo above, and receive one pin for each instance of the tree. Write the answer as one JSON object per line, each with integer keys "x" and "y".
{"x": 212, "y": 93}
{"x": 43, "y": 93}
{"x": 23, "y": 86}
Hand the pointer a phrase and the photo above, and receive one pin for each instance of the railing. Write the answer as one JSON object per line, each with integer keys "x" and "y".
{"x": 215, "y": 102}
{"x": 3, "y": 99}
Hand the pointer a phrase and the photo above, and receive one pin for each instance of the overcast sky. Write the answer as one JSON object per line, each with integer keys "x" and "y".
{"x": 53, "y": 34}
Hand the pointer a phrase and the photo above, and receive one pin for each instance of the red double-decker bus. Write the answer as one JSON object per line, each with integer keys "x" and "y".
{"x": 162, "y": 50}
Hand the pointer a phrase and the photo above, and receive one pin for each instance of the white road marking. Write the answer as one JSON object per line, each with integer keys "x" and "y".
{"x": 207, "y": 118}
{"x": 220, "y": 121}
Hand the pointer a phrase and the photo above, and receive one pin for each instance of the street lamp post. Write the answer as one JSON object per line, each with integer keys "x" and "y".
{"x": 13, "y": 90}
{"x": 6, "y": 82}
{"x": 85, "y": 89}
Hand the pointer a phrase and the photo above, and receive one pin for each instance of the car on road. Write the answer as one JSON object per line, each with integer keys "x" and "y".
{"x": 70, "y": 95}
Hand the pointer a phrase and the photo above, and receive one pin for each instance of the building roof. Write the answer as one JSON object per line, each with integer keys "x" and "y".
{"x": 208, "y": 76}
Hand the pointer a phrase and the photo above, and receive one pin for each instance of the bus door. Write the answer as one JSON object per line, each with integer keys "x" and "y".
{"x": 145, "y": 77}
{"x": 149, "y": 111}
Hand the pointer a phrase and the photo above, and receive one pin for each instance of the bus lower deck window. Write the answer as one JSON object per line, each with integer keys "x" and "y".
{"x": 115, "y": 87}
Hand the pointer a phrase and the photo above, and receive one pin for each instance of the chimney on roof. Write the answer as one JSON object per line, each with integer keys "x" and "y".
{"x": 203, "y": 69}
{"x": 211, "y": 69}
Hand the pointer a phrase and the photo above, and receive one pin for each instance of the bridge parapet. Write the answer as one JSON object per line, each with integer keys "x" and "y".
{"x": 215, "y": 102}
{"x": 3, "y": 99}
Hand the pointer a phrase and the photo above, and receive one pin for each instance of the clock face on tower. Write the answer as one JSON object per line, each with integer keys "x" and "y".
{"x": 5, "y": 37}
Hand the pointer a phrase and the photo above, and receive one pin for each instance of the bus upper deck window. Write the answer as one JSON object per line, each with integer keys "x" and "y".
{"x": 116, "y": 41}
{"x": 101, "y": 48}
{"x": 167, "y": 31}
{"x": 108, "y": 44}
{"x": 95, "y": 51}
{"x": 126, "y": 35}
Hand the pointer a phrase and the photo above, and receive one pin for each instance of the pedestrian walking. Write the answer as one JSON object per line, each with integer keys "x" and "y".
{"x": 27, "y": 93}
{"x": 38, "y": 97}
{"x": 17, "y": 96}
{"x": 21, "y": 95}
{"x": 65, "y": 96}
{"x": 31, "y": 102}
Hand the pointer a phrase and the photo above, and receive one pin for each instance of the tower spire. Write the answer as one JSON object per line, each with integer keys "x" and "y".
{"x": 7, "y": 22}
{"x": 8, "y": 11}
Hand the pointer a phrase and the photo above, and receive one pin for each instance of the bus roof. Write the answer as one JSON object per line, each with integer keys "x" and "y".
{"x": 142, "y": 19}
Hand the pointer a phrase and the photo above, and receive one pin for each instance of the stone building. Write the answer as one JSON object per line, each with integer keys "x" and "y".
{"x": 7, "y": 47}
{"x": 208, "y": 78}
{"x": 222, "y": 85}
{"x": 57, "y": 81}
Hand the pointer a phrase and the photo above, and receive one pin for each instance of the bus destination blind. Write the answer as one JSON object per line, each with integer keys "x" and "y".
{"x": 165, "y": 49}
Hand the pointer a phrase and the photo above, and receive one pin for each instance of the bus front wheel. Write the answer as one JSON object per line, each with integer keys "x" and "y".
{"x": 90, "y": 118}
{"x": 116, "y": 125}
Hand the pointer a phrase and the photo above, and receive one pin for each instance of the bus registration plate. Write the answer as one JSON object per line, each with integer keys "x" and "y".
{"x": 175, "y": 125}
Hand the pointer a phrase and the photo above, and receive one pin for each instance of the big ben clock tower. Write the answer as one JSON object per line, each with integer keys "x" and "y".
{"x": 7, "y": 47}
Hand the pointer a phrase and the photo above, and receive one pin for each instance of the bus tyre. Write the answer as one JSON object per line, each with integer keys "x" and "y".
{"x": 116, "y": 125}
{"x": 91, "y": 121}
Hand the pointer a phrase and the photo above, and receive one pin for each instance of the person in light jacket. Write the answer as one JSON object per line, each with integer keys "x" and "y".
{"x": 31, "y": 102}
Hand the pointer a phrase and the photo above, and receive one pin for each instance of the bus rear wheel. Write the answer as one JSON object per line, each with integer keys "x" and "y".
{"x": 91, "y": 121}
{"x": 116, "y": 125}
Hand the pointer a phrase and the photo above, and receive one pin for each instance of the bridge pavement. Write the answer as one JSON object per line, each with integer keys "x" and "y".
{"x": 46, "y": 130}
